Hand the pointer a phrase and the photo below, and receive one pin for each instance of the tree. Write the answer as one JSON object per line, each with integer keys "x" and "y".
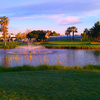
{"x": 86, "y": 30}
{"x": 41, "y": 35}
{"x": 4, "y": 21}
{"x": 54, "y": 34}
{"x": 23, "y": 35}
{"x": 73, "y": 30}
{"x": 68, "y": 31}
{"x": 94, "y": 32}
{"x": 84, "y": 36}
{"x": 18, "y": 36}
{"x": 32, "y": 34}
{"x": 48, "y": 32}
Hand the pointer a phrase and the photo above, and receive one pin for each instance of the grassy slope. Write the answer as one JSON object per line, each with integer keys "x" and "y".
{"x": 50, "y": 85}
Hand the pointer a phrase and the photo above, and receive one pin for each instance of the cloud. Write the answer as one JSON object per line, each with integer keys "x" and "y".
{"x": 21, "y": 18}
{"x": 61, "y": 7}
{"x": 59, "y": 18}
{"x": 69, "y": 20}
{"x": 65, "y": 20}
{"x": 95, "y": 13}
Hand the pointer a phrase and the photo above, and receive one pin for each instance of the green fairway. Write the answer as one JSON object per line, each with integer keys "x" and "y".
{"x": 50, "y": 85}
{"x": 72, "y": 44}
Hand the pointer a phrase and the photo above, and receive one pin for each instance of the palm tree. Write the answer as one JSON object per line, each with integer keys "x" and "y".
{"x": 69, "y": 31}
{"x": 66, "y": 33}
{"x": 4, "y": 21}
{"x": 73, "y": 29}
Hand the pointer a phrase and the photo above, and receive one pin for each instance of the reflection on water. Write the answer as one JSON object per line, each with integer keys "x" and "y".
{"x": 96, "y": 52}
{"x": 67, "y": 57}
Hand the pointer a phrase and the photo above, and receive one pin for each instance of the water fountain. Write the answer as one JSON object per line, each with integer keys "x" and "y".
{"x": 30, "y": 49}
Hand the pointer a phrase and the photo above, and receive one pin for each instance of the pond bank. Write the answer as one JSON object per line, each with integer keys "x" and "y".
{"x": 60, "y": 47}
{"x": 69, "y": 47}
{"x": 48, "y": 67}
{"x": 7, "y": 47}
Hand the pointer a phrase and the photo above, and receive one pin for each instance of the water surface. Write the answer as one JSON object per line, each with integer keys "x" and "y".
{"x": 67, "y": 57}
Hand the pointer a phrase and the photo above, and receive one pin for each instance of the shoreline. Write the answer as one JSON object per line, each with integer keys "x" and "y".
{"x": 88, "y": 67}
{"x": 56, "y": 47}
{"x": 72, "y": 47}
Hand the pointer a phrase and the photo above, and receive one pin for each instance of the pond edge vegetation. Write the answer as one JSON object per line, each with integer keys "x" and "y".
{"x": 49, "y": 67}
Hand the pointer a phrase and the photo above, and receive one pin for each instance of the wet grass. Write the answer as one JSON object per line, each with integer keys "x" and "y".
{"x": 70, "y": 84}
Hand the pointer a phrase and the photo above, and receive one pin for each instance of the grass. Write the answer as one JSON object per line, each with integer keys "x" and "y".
{"x": 58, "y": 44}
{"x": 51, "y": 84}
{"x": 72, "y": 44}
{"x": 12, "y": 44}
{"x": 48, "y": 67}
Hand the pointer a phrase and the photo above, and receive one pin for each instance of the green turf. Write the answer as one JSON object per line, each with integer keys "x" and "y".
{"x": 57, "y": 44}
{"x": 50, "y": 85}
{"x": 12, "y": 44}
{"x": 71, "y": 44}
{"x": 49, "y": 67}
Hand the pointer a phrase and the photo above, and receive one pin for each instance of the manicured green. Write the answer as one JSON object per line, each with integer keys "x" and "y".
{"x": 50, "y": 85}
{"x": 72, "y": 44}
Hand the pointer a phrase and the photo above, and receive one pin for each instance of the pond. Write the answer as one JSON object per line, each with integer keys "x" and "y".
{"x": 67, "y": 57}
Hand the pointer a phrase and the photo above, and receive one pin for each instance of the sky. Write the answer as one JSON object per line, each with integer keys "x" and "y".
{"x": 54, "y": 15}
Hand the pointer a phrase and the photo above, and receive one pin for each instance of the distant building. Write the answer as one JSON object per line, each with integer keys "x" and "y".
{"x": 9, "y": 37}
{"x": 59, "y": 38}
{"x": 12, "y": 36}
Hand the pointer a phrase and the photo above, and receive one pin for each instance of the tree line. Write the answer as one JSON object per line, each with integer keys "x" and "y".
{"x": 93, "y": 33}
{"x": 41, "y": 35}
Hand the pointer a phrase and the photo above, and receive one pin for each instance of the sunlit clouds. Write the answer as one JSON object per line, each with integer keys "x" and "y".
{"x": 62, "y": 20}
{"x": 69, "y": 20}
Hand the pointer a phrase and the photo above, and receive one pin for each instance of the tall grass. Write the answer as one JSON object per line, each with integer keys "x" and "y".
{"x": 48, "y": 67}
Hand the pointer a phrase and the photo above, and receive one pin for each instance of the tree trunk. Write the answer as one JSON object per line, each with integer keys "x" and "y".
{"x": 73, "y": 35}
{"x": 67, "y": 37}
{"x": 4, "y": 37}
